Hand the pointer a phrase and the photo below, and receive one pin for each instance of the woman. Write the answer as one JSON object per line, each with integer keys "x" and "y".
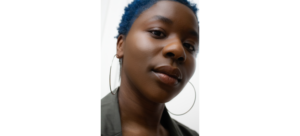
{"x": 157, "y": 46}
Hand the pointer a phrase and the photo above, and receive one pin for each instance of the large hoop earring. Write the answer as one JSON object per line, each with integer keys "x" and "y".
{"x": 110, "y": 75}
{"x": 190, "y": 108}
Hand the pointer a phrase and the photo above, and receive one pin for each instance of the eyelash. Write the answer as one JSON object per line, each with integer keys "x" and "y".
{"x": 189, "y": 47}
{"x": 157, "y": 36}
{"x": 161, "y": 35}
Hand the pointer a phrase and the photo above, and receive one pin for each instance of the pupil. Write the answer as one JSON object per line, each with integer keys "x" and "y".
{"x": 156, "y": 33}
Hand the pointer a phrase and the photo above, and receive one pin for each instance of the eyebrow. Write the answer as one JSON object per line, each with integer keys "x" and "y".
{"x": 163, "y": 19}
{"x": 169, "y": 21}
{"x": 194, "y": 33}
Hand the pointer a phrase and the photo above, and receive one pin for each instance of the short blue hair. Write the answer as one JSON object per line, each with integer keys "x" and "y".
{"x": 134, "y": 9}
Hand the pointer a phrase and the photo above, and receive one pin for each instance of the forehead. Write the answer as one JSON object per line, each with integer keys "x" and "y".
{"x": 172, "y": 10}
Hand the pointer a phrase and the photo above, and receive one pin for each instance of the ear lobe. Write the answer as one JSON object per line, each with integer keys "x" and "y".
{"x": 120, "y": 46}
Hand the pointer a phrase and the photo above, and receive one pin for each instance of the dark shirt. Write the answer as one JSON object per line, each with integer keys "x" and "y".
{"x": 111, "y": 121}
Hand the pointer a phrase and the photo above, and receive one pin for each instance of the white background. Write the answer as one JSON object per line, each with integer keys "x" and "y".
{"x": 249, "y": 68}
{"x": 112, "y": 12}
{"x": 50, "y": 68}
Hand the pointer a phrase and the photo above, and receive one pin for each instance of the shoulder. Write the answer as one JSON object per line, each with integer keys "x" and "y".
{"x": 186, "y": 131}
{"x": 107, "y": 99}
{"x": 110, "y": 116}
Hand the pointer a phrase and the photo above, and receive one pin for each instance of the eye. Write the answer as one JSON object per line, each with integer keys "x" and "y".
{"x": 157, "y": 33}
{"x": 190, "y": 47}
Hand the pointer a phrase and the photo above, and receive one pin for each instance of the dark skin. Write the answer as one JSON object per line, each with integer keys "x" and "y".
{"x": 166, "y": 34}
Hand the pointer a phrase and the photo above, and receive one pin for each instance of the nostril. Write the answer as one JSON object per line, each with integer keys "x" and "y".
{"x": 170, "y": 54}
{"x": 181, "y": 59}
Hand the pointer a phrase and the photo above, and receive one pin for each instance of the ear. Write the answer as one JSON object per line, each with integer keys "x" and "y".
{"x": 120, "y": 46}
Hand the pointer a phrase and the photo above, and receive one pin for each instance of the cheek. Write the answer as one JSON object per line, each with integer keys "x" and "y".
{"x": 140, "y": 46}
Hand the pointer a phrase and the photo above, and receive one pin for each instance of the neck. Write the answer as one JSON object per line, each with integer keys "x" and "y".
{"x": 137, "y": 111}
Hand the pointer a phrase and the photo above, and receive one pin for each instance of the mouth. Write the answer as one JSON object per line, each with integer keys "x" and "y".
{"x": 168, "y": 75}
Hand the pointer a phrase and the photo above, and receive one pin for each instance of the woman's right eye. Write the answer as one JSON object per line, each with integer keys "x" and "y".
{"x": 157, "y": 34}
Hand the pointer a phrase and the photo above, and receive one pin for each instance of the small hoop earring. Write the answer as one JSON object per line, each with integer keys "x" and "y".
{"x": 110, "y": 76}
{"x": 190, "y": 108}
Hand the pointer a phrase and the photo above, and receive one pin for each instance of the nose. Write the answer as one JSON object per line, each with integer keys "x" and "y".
{"x": 175, "y": 51}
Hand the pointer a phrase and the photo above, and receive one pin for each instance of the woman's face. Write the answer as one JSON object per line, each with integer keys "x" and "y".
{"x": 159, "y": 51}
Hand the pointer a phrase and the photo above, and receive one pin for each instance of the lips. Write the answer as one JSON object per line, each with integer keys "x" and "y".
{"x": 168, "y": 74}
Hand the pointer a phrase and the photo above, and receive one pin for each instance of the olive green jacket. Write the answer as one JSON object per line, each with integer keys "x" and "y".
{"x": 111, "y": 122}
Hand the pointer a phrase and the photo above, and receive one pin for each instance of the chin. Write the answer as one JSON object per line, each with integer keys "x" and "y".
{"x": 160, "y": 95}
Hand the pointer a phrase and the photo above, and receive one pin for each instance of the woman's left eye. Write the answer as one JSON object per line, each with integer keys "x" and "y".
{"x": 189, "y": 46}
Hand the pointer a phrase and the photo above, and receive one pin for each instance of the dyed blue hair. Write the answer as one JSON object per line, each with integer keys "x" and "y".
{"x": 134, "y": 9}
